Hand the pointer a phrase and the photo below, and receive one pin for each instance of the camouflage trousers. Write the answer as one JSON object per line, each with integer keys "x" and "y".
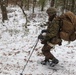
{"x": 46, "y": 52}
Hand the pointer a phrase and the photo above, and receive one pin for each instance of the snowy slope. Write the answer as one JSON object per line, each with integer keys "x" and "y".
{"x": 16, "y": 44}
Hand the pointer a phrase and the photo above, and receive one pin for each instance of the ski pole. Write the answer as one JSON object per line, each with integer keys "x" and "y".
{"x": 29, "y": 57}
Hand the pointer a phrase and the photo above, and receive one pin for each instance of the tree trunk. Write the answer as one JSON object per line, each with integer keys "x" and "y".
{"x": 24, "y": 14}
{"x": 52, "y": 3}
{"x": 4, "y": 11}
{"x": 34, "y": 2}
{"x": 73, "y": 3}
{"x": 6, "y": 2}
{"x": 28, "y": 5}
{"x": 43, "y": 4}
{"x": 19, "y": 2}
{"x": 64, "y": 4}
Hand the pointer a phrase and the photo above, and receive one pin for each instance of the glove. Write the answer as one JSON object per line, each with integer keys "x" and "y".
{"x": 43, "y": 42}
{"x": 43, "y": 31}
{"x": 40, "y": 36}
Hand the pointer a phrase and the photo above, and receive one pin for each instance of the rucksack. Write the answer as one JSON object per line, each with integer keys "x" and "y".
{"x": 67, "y": 23}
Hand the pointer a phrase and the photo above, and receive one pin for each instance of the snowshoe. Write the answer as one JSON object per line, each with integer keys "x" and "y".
{"x": 44, "y": 62}
{"x": 54, "y": 62}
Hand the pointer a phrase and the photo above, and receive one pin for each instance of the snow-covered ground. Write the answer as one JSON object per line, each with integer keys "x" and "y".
{"x": 17, "y": 42}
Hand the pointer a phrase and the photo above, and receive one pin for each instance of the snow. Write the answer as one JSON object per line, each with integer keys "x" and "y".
{"x": 17, "y": 43}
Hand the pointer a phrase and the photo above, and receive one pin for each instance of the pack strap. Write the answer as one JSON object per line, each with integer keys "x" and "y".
{"x": 60, "y": 27}
{"x": 60, "y": 24}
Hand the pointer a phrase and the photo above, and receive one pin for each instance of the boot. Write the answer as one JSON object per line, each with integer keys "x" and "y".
{"x": 44, "y": 62}
{"x": 54, "y": 62}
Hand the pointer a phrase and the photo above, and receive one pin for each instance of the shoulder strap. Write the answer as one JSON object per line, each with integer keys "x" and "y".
{"x": 60, "y": 24}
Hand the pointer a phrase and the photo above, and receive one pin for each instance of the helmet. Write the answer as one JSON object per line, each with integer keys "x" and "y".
{"x": 51, "y": 10}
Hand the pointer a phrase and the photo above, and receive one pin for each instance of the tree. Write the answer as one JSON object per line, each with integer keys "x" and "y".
{"x": 34, "y": 2}
{"x": 28, "y": 4}
{"x": 21, "y": 6}
{"x": 42, "y": 3}
{"x": 68, "y": 5}
{"x": 4, "y": 10}
{"x": 73, "y": 5}
{"x": 52, "y": 3}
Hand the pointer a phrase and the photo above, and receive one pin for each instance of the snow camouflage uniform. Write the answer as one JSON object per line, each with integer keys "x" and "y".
{"x": 54, "y": 33}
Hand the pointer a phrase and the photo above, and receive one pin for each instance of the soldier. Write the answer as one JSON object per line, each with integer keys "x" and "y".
{"x": 51, "y": 38}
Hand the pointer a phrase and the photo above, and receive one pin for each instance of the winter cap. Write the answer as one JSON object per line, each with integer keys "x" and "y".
{"x": 51, "y": 10}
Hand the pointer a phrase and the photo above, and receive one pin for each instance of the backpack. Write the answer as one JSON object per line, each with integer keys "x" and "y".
{"x": 67, "y": 23}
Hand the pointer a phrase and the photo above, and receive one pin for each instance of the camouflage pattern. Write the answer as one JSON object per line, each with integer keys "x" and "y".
{"x": 52, "y": 32}
{"x": 52, "y": 29}
{"x": 51, "y": 10}
{"x": 46, "y": 51}
{"x": 67, "y": 32}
